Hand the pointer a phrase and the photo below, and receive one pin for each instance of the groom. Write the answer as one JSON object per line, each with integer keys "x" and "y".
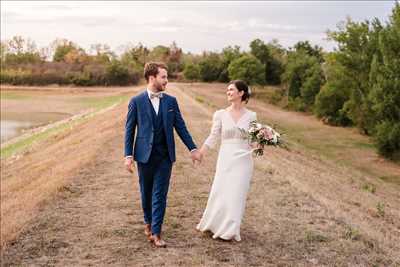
{"x": 155, "y": 115}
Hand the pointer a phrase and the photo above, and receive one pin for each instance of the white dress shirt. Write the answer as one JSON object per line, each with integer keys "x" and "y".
{"x": 155, "y": 101}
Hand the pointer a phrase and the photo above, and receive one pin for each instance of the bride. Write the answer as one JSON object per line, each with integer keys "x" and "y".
{"x": 227, "y": 200}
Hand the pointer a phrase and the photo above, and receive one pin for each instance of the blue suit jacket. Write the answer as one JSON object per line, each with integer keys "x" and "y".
{"x": 139, "y": 116}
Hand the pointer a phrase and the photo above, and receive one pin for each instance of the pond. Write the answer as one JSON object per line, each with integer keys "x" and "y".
{"x": 14, "y": 124}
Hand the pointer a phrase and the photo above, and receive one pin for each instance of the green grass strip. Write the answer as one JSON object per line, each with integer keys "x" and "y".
{"x": 26, "y": 143}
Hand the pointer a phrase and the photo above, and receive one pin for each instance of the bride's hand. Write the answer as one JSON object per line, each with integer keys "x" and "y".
{"x": 203, "y": 152}
{"x": 254, "y": 145}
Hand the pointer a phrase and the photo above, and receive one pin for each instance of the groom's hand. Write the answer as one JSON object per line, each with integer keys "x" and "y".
{"x": 129, "y": 164}
{"x": 196, "y": 155}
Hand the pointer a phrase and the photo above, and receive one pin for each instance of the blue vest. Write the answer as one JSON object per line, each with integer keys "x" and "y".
{"x": 160, "y": 147}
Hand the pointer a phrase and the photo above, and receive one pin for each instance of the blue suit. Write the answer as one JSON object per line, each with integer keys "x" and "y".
{"x": 154, "y": 150}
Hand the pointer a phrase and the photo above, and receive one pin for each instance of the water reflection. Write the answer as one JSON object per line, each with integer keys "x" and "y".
{"x": 13, "y": 124}
{"x": 10, "y": 129}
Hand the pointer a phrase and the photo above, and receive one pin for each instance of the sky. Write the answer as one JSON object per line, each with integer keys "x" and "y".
{"x": 195, "y": 26}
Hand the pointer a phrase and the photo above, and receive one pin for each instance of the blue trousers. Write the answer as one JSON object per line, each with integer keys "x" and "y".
{"x": 154, "y": 179}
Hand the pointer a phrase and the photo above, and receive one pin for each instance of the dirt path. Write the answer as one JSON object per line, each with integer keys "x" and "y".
{"x": 96, "y": 218}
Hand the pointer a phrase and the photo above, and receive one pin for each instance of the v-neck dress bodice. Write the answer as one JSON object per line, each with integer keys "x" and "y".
{"x": 225, "y": 129}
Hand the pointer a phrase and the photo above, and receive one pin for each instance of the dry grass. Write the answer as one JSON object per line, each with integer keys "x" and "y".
{"x": 30, "y": 103}
{"x": 313, "y": 167}
{"x": 28, "y": 181}
{"x": 302, "y": 210}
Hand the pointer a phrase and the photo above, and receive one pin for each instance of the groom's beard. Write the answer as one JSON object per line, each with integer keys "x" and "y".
{"x": 160, "y": 87}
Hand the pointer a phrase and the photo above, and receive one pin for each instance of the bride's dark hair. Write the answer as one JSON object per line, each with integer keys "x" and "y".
{"x": 242, "y": 86}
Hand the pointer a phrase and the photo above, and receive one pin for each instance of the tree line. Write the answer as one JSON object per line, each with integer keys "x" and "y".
{"x": 357, "y": 84}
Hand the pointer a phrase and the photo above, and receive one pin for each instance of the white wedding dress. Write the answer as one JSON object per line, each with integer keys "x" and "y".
{"x": 227, "y": 200}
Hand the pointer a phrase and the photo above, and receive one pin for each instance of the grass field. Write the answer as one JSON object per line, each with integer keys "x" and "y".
{"x": 62, "y": 110}
{"x": 328, "y": 201}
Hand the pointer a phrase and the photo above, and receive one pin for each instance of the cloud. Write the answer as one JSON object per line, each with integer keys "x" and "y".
{"x": 256, "y": 23}
{"x": 88, "y": 21}
{"x": 53, "y": 7}
{"x": 196, "y": 25}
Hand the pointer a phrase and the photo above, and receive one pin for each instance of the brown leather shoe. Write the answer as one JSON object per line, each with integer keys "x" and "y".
{"x": 147, "y": 231}
{"x": 158, "y": 242}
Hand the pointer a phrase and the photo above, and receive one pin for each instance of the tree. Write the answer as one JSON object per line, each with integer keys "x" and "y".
{"x": 135, "y": 56}
{"x": 303, "y": 78}
{"x": 174, "y": 60}
{"x": 62, "y": 48}
{"x": 210, "y": 67}
{"x": 192, "y": 72}
{"x": 102, "y": 53}
{"x": 269, "y": 55}
{"x": 76, "y": 56}
{"x": 312, "y": 84}
{"x": 275, "y": 67}
{"x": 229, "y": 54}
{"x": 18, "y": 45}
{"x": 260, "y": 50}
{"x": 363, "y": 82}
{"x": 305, "y": 46}
{"x": 247, "y": 68}
{"x": 330, "y": 100}
{"x": 357, "y": 46}
{"x": 19, "y": 51}
{"x": 159, "y": 53}
{"x": 3, "y": 52}
{"x": 385, "y": 92}
{"x": 117, "y": 74}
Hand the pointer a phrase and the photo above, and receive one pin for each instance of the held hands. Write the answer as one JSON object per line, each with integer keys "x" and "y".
{"x": 195, "y": 155}
{"x": 198, "y": 154}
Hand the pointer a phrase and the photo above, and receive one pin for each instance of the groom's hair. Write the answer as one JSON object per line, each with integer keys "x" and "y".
{"x": 151, "y": 69}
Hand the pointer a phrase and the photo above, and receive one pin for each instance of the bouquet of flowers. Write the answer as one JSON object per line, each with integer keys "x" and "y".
{"x": 262, "y": 135}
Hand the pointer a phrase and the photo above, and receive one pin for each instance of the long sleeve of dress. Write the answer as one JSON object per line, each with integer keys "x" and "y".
{"x": 215, "y": 133}
{"x": 254, "y": 116}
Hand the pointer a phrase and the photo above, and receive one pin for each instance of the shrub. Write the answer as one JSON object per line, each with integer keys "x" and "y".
{"x": 387, "y": 139}
{"x": 210, "y": 67}
{"x": 192, "y": 72}
{"x": 247, "y": 68}
{"x": 329, "y": 103}
{"x": 117, "y": 74}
